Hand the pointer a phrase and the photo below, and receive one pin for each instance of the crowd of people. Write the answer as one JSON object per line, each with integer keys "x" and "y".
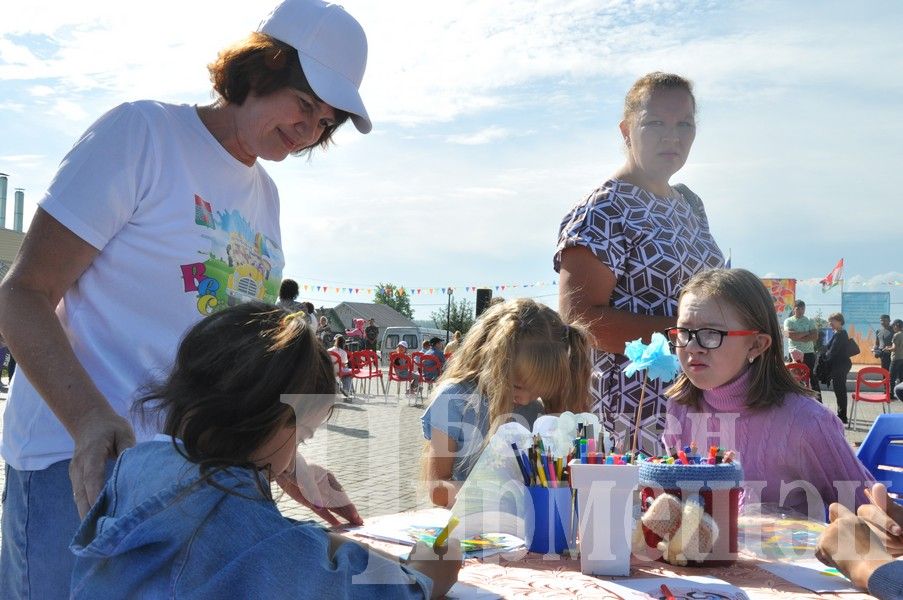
{"x": 142, "y": 433}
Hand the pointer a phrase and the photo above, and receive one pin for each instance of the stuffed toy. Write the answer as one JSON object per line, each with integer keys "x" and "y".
{"x": 685, "y": 531}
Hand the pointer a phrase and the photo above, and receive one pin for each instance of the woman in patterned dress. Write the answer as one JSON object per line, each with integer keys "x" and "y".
{"x": 625, "y": 251}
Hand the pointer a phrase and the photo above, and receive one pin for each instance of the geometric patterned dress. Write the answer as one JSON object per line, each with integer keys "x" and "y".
{"x": 653, "y": 245}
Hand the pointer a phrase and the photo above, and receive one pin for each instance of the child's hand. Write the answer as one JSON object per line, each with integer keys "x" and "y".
{"x": 316, "y": 488}
{"x": 850, "y": 545}
{"x": 885, "y": 517}
{"x": 442, "y": 566}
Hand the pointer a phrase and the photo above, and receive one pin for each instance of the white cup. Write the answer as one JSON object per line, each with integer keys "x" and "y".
{"x": 605, "y": 496}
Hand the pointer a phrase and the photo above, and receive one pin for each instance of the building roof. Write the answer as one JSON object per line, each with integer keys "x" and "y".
{"x": 385, "y": 315}
{"x": 10, "y": 242}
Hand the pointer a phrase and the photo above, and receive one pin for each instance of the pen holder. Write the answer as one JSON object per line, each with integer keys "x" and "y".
{"x": 549, "y": 519}
{"x": 717, "y": 486}
{"x": 605, "y": 514}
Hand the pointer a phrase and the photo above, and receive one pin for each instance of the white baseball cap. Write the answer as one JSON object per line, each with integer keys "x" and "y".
{"x": 332, "y": 48}
{"x": 403, "y": 343}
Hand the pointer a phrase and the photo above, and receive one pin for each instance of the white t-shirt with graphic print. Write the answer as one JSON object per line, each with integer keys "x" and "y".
{"x": 183, "y": 229}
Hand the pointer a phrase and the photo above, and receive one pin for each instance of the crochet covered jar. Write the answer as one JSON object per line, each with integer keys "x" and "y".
{"x": 716, "y": 488}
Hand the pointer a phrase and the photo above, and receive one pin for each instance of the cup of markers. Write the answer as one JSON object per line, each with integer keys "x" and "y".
{"x": 710, "y": 476}
{"x": 549, "y": 512}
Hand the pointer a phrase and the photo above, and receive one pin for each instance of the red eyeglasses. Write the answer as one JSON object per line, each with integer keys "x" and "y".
{"x": 706, "y": 337}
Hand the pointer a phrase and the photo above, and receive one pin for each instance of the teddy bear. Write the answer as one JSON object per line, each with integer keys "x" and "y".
{"x": 685, "y": 531}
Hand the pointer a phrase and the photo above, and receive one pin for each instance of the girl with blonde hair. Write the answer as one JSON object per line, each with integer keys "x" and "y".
{"x": 517, "y": 353}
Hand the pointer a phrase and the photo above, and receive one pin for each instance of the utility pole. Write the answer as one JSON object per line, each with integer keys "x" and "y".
{"x": 448, "y": 315}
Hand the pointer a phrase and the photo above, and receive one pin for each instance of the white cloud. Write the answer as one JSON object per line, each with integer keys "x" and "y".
{"x": 22, "y": 159}
{"x": 68, "y": 110}
{"x": 493, "y": 118}
{"x": 41, "y": 91}
{"x": 485, "y": 136}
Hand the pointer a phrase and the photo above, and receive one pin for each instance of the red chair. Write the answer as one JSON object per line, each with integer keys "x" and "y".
{"x": 427, "y": 368}
{"x": 340, "y": 369}
{"x": 882, "y": 397}
{"x": 365, "y": 366}
{"x": 400, "y": 373}
{"x": 801, "y": 372}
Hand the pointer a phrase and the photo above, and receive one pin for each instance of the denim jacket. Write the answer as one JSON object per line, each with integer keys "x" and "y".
{"x": 157, "y": 532}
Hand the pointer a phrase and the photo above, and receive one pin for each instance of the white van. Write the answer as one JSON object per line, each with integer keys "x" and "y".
{"x": 414, "y": 336}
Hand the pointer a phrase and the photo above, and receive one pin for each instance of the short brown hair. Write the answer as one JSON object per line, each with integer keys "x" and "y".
{"x": 836, "y": 317}
{"x": 223, "y": 397}
{"x": 642, "y": 89}
{"x": 770, "y": 380}
{"x": 262, "y": 65}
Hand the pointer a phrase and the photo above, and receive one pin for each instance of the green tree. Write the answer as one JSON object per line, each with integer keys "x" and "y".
{"x": 461, "y": 317}
{"x": 388, "y": 294}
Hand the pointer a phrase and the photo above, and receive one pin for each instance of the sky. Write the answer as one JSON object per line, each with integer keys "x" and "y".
{"x": 492, "y": 118}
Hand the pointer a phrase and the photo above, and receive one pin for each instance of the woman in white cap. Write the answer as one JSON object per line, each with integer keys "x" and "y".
{"x": 159, "y": 215}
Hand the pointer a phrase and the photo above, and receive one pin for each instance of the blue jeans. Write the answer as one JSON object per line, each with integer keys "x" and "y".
{"x": 39, "y": 521}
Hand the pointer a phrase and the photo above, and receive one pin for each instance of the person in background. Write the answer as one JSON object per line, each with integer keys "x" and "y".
{"x": 883, "y": 339}
{"x": 896, "y": 353}
{"x": 837, "y": 358}
{"x": 802, "y": 333}
{"x": 735, "y": 392}
{"x": 341, "y": 367}
{"x": 453, "y": 344}
{"x": 355, "y": 337}
{"x": 518, "y": 361}
{"x": 288, "y": 292}
{"x": 308, "y": 307}
{"x": 626, "y": 250}
{"x": 154, "y": 196}
{"x": 372, "y": 334}
{"x": 437, "y": 349}
{"x": 324, "y": 332}
{"x": 401, "y": 369}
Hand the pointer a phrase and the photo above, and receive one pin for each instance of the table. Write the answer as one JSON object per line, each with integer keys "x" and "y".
{"x": 530, "y": 575}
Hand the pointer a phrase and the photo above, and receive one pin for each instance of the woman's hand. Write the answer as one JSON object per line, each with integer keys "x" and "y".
{"x": 316, "y": 488}
{"x": 98, "y": 438}
{"x": 884, "y": 516}
{"x": 442, "y": 566}
{"x": 850, "y": 545}
{"x": 50, "y": 262}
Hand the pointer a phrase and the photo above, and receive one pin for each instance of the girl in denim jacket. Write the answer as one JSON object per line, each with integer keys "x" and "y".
{"x": 191, "y": 515}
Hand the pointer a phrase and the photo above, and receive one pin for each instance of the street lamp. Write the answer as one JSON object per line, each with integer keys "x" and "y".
{"x": 448, "y": 315}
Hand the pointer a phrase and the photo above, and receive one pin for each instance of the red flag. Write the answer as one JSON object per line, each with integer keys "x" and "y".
{"x": 833, "y": 278}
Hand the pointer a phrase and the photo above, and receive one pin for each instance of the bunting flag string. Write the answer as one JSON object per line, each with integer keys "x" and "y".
{"x": 404, "y": 290}
{"x": 498, "y": 288}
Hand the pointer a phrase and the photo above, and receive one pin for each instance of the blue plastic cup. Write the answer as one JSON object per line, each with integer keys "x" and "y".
{"x": 549, "y": 520}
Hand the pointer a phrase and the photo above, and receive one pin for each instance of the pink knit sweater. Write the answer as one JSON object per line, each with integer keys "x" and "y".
{"x": 800, "y": 441}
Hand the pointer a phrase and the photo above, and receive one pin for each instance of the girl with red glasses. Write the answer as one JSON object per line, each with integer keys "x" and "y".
{"x": 736, "y": 393}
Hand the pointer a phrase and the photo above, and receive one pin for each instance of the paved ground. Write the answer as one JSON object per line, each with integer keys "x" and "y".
{"x": 374, "y": 450}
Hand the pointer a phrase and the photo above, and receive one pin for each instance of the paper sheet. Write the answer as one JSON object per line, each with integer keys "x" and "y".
{"x": 703, "y": 588}
{"x": 408, "y": 529}
{"x": 812, "y": 575}
{"x": 466, "y": 591}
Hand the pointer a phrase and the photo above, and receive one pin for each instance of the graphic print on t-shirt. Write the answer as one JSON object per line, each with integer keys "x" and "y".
{"x": 203, "y": 212}
{"x": 239, "y": 262}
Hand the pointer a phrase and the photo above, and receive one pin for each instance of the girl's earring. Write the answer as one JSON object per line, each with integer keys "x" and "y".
{"x": 751, "y": 359}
